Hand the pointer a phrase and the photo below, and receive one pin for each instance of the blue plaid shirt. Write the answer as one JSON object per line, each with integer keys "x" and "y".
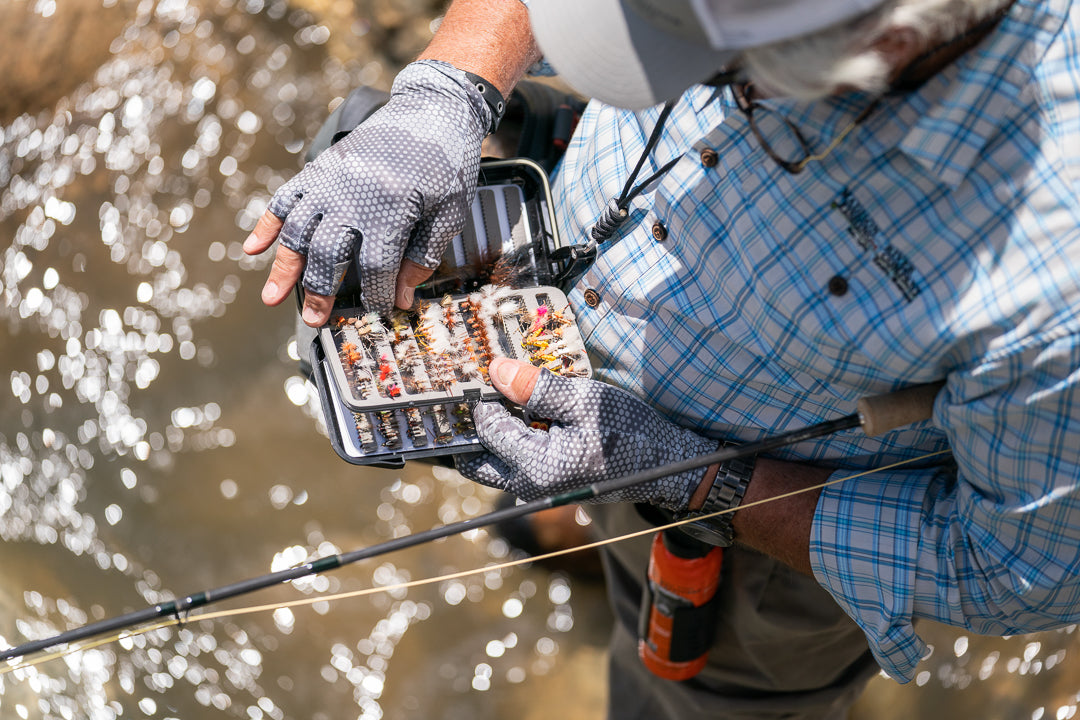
{"x": 939, "y": 239}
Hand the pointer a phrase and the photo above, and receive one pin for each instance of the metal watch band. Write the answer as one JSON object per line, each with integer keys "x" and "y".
{"x": 492, "y": 97}
{"x": 726, "y": 493}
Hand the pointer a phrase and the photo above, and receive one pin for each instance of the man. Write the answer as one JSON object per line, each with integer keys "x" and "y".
{"x": 910, "y": 215}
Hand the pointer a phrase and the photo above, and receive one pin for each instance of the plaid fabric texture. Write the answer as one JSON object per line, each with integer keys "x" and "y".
{"x": 939, "y": 239}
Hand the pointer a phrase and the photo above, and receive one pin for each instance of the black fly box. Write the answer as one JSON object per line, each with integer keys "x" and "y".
{"x": 400, "y": 387}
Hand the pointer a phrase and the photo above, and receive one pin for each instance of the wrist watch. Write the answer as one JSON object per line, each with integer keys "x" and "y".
{"x": 726, "y": 493}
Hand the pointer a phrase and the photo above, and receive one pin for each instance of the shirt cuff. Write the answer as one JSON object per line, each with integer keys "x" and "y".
{"x": 541, "y": 68}
{"x": 864, "y": 547}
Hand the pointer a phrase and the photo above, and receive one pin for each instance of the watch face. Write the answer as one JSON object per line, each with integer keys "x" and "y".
{"x": 714, "y": 531}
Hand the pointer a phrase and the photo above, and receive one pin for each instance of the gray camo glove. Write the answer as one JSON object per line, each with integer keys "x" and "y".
{"x": 598, "y": 432}
{"x": 397, "y": 187}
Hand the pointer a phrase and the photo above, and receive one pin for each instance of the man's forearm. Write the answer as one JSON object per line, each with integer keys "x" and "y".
{"x": 490, "y": 38}
{"x": 780, "y": 528}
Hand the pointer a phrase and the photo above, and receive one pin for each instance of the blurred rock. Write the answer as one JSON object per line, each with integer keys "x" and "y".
{"x": 384, "y": 33}
{"x": 52, "y": 46}
{"x": 55, "y": 45}
{"x": 401, "y": 27}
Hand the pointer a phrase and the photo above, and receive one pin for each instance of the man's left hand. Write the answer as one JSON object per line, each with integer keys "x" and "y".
{"x": 597, "y": 432}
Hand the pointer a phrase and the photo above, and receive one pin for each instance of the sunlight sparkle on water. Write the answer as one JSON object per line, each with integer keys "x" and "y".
{"x": 513, "y": 607}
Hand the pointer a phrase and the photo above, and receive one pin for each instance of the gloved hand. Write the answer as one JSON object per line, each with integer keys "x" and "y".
{"x": 397, "y": 187}
{"x": 598, "y": 432}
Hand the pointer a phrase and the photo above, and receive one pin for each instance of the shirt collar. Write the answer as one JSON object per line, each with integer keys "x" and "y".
{"x": 982, "y": 90}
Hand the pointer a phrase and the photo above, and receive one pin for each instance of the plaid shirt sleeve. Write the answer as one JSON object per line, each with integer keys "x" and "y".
{"x": 991, "y": 545}
{"x": 941, "y": 238}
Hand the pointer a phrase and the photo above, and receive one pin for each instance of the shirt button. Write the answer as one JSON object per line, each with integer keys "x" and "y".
{"x": 659, "y": 232}
{"x": 592, "y": 298}
{"x": 838, "y": 285}
{"x": 709, "y": 158}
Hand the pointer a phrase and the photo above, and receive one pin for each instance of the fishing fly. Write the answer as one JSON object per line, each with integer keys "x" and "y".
{"x": 402, "y": 385}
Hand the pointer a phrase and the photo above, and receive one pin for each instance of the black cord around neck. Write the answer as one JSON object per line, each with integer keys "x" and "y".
{"x": 617, "y": 210}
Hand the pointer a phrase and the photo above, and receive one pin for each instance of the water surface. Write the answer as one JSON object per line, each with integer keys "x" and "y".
{"x": 156, "y": 438}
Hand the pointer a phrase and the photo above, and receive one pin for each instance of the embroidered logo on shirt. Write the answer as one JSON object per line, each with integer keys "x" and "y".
{"x": 862, "y": 228}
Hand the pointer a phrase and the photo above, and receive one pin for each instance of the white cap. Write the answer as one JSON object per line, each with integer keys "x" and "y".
{"x": 637, "y": 53}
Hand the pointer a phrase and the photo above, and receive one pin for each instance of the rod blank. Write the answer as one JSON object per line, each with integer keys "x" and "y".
{"x": 876, "y": 415}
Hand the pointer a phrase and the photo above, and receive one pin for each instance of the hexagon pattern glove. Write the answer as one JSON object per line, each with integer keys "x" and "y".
{"x": 398, "y": 186}
{"x": 598, "y": 432}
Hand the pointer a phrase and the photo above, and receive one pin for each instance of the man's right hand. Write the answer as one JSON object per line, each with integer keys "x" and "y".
{"x": 598, "y": 432}
{"x": 394, "y": 192}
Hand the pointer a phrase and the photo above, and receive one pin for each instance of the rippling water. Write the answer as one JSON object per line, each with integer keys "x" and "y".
{"x": 156, "y": 440}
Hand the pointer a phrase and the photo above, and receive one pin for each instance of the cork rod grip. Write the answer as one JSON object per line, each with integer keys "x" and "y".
{"x": 880, "y": 413}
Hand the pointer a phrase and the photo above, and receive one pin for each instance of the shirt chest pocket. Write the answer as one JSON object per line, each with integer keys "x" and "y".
{"x": 808, "y": 281}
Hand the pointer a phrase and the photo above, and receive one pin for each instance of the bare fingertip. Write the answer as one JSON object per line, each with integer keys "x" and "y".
{"x": 312, "y": 317}
{"x": 270, "y": 292}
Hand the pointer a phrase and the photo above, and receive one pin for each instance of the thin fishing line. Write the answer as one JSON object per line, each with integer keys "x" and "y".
{"x": 252, "y": 609}
{"x": 57, "y": 654}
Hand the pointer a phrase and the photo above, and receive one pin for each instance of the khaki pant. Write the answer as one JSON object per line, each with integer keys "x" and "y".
{"x": 784, "y": 648}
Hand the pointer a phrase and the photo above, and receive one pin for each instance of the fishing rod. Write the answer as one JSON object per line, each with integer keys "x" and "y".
{"x": 875, "y": 415}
